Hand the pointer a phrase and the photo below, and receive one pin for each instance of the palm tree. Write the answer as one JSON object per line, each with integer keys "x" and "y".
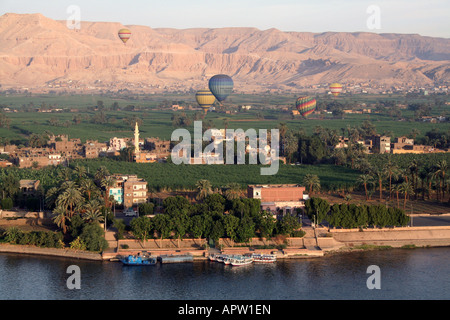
{"x": 51, "y": 196}
{"x": 423, "y": 174}
{"x": 204, "y": 189}
{"x": 414, "y": 170}
{"x": 391, "y": 171}
{"x": 396, "y": 188}
{"x": 92, "y": 212}
{"x": 233, "y": 191}
{"x": 312, "y": 181}
{"x": 70, "y": 199}
{"x": 65, "y": 173}
{"x": 440, "y": 172}
{"x": 60, "y": 218}
{"x": 108, "y": 183}
{"x": 365, "y": 180}
{"x": 80, "y": 171}
{"x": 430, "y": 177}
{"x": 414, "y": 133}
{"x": 88, "y": 187}
{"x": 406, "y": 188}
{"x": 102, "y": 173}
{"x": 379, "y": 174}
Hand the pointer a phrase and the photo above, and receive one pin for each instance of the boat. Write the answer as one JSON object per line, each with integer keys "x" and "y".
{"x": 264, "y": 258}
{"x": 228, "y": 258}
{"x": 138, "y": 260}
{"x": 241, "y": 261}
{"x": 216, "y": 257}
{"x": 220, "y": 257}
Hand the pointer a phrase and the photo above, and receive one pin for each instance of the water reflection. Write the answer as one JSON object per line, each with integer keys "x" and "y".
{"x": 405, "y": 274}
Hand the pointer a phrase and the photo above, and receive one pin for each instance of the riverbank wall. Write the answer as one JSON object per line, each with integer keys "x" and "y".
{"x": 314, "y": 244}
{"x": 393, "y": 237}
{"x": 53, "y": 252}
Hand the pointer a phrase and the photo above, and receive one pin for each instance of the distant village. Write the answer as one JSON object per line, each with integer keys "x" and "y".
{"x": 59, "y": 150}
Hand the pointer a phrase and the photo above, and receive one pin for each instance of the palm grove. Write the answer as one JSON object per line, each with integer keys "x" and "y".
{"x": 80, "y": 200}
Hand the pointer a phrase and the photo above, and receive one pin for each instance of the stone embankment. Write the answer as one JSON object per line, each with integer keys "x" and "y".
{"x": 315, "y": 243}
{"x": 394, "y": 237}
{"x": 54, "y": 252}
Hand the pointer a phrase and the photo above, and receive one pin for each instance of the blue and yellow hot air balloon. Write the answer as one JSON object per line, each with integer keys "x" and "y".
{"x": 205, "y": 99}
{"x": 124, "y": 35}
{"x": 305, "y": 105}
{"x": 221, "y": 86}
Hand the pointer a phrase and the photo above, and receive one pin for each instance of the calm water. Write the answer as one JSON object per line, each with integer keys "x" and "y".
{"x": 405, "y": 274}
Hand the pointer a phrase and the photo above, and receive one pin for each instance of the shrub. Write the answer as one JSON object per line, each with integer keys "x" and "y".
{"x": 13, "y": 235}
{"x": 120, "y": 226}
{"x": 77, "y": 244}
{"x": 146, "y": 208}
{"x": 94, "y": 238}
{"x": 7, "y": 204}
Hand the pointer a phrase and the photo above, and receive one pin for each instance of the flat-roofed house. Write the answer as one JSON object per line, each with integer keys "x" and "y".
{"x": 280, "y": 199}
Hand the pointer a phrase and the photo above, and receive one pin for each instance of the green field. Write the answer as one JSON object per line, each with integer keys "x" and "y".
{"x": 167, "y": 175}
{"x": 265, "y": 114}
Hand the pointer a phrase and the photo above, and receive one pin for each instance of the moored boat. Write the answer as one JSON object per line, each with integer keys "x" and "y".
{"x": 241, "y": 261}
{"x": 228, "y": 258}
{"x": 264, "y": 258}
{"x": 138, "y": 260}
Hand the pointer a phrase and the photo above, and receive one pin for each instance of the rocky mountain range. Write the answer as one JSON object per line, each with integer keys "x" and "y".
{"x": 38, "y": 52}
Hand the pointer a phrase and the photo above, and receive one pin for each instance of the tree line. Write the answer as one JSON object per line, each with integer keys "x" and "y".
{"x": 354, "y": 216}
{"x": 212, "y": 218}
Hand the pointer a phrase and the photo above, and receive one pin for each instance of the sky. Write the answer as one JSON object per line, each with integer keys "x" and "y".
{"x": 426, "y": 17}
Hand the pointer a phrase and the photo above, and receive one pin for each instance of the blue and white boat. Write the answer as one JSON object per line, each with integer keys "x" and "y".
{"x": 138, "y": 260}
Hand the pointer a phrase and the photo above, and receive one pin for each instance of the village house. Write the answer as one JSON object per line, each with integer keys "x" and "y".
{"x": 29, "y": 187}
{"x": 94, "y": 149}
{"x": 129, "y": 190}
{"x": 280, "y": 199}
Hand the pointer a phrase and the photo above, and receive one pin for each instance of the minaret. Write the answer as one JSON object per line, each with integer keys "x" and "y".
{"x": 136, "y": 139}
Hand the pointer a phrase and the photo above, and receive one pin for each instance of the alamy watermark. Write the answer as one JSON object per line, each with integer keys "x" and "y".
{"x": 74, "y": 20}
{"x": 74, "y": 281}
{"x": 374, "y": 20}
{"x": 374, "y": 281}
{"x": 214, "y": 153}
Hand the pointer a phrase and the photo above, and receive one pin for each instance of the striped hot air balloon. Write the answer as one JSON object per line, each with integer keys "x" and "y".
{"x": 335, "y": 89}
{"x": 305, "y": 105}
{"x": 221, "y": 86}
{"x": 205, "y": 99}
{"x": 124, "y": 35}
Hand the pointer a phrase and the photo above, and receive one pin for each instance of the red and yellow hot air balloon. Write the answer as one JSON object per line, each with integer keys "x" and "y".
{"x": 124, "y": 35}
{"x": 205, "y": 99}
{"x": 336, "y": 89}
{"x": 305, "y": 105}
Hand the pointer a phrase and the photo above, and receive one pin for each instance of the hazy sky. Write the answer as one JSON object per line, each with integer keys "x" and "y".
{"x": 428, "y": 18}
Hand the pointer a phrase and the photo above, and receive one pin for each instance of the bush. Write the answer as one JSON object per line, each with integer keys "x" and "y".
{"x": 35, "y": 238}
{"x": 77, "y": 244}
{"x": 94, "y": 237}
{"x": 120, "y": 226}
{"x": 298, "y": 234}
{"x": 7, "y": 204}
{"x": 146, "y": 208}
{"x": 13, "y": 235}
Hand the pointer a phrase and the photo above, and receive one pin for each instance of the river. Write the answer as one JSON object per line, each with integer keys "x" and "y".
{"x": 411, "y": 274}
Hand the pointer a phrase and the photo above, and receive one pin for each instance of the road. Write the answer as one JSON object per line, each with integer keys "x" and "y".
{"x": 431, "y": 220}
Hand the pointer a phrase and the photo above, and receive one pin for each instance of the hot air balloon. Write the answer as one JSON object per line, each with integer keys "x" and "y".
{"x": 221, "y": 86}
{"x": 124, "y": 35}
{"x": 335, "y": 89}
{"x": 205, "y": 99}
{"x": 305, "y": 105}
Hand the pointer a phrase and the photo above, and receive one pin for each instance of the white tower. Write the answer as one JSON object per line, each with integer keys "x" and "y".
{"x": 136, "y": 139}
